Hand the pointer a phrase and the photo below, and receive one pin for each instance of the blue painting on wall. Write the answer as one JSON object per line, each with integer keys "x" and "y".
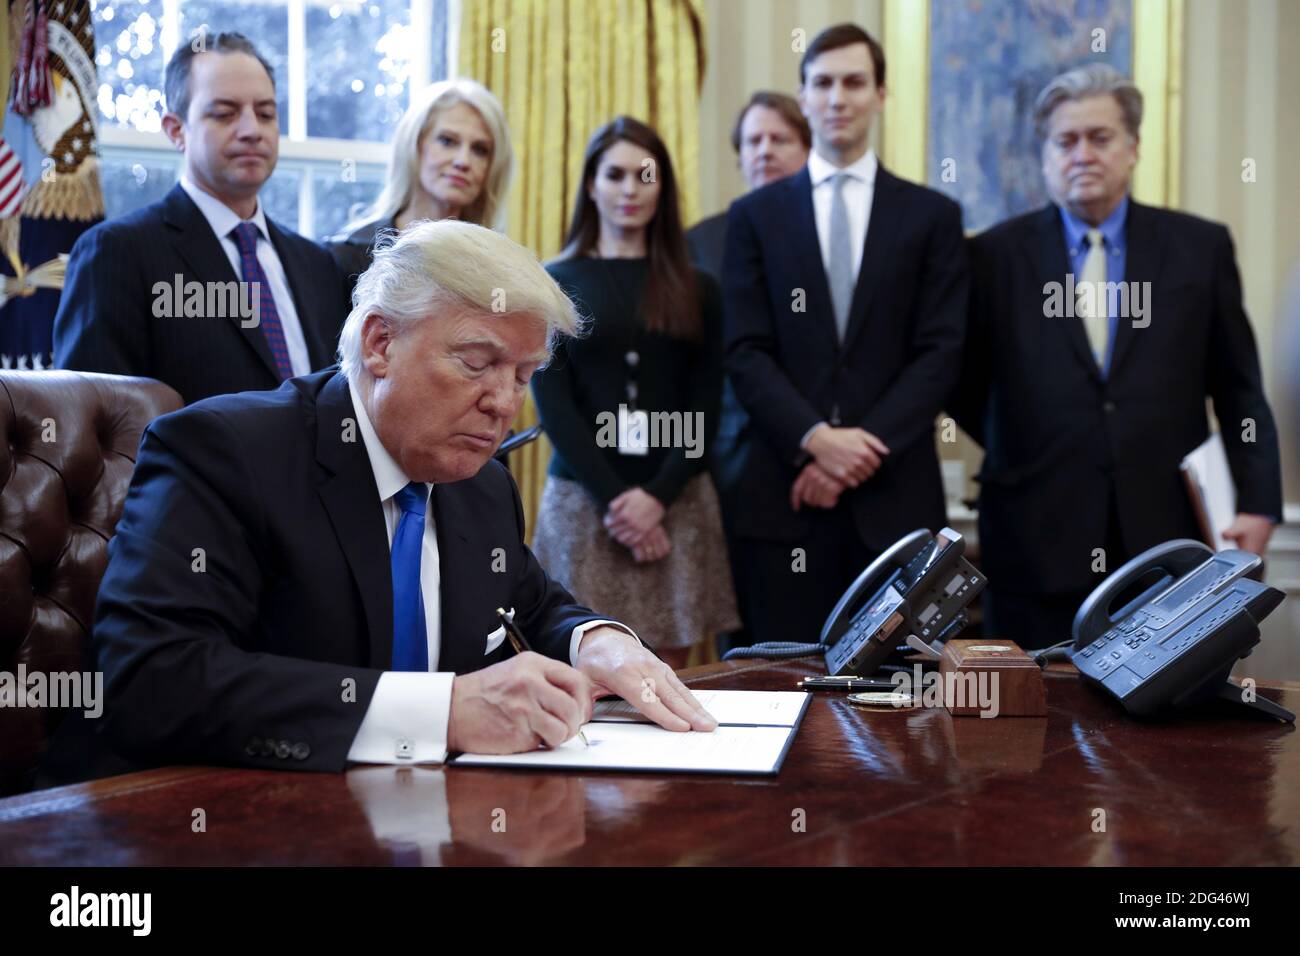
{"x": 988, "y": 61}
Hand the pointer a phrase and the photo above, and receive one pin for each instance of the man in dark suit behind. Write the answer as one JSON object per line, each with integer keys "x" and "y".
{"x": 845, "y": 292}
{"x": 771, "y": 139}
{"x": 286, "y": 591}
{"x": 200, "y": 289}
{"x": 1086, "y": 404}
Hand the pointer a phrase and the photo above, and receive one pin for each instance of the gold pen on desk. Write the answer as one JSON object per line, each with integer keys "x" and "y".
{"x": 520, "y": 644}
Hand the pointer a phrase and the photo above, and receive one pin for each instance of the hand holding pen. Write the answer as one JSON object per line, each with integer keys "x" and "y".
{"x": 520, "y": 644}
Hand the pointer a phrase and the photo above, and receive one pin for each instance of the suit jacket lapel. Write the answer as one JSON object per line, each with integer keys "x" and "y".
{"x": 298, "y": 270}
{"x": 457, "y": 591}
{"x": 885, "y": 214}
{"x": 1052, "y": 261}
{"x": 1144, "y": 253}
{"x": 199, "y": 246}
{"x": 351, "y": 499}
{"x": 807, "y": 246}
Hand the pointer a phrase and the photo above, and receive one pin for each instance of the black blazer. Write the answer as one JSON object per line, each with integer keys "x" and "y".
{"x": 354, "y": 251}
{"x": 106, "y": 320}
{"x": 293, "y": 598}
{"x": 707, "y": 243}
{"x": 900, "y": 359}
{"x": 1057, "y": 436}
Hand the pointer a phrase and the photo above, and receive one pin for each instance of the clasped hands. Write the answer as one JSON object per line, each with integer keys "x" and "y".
{"x": 635, "y": 520}
{"x": 531, "y": 701}
{"x": 842, "y": 458}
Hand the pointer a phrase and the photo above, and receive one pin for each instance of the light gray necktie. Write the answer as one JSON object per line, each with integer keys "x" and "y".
{"x": 839, "y": 270}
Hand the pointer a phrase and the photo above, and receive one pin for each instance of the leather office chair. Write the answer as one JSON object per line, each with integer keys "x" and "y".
{"x": 68, "y": 443}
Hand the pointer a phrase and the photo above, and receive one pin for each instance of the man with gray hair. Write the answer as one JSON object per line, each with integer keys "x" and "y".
{"x": 310, "y": 576}
{"x": 1099, "y": 327}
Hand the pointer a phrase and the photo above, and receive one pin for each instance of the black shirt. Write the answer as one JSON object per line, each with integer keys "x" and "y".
{"x": 586, "y": 381}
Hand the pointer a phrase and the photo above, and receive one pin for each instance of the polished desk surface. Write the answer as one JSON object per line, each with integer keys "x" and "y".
{"x": 858, "y": 787}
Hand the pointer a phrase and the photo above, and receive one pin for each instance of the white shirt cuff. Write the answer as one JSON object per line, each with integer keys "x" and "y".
{"x": 406, "y": 721}
{"x": 803, "y": 442}
{"x": 582, "y": 629}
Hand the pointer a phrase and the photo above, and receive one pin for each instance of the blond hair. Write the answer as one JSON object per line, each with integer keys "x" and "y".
{"x": 434, "y": 267}
{"x": 416, "y": 123}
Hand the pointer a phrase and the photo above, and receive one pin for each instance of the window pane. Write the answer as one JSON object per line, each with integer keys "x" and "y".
{"x": 130, "y": 61}
{"x": 279, "y": 197}
{"x": 337, "y": 201}
{"x": 130, "y": 183}
{"x": 359, "y": 67}
{"x": 266, "y": 24}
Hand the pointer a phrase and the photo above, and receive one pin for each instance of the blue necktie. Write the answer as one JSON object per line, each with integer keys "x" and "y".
{"x": 410, "y": 639}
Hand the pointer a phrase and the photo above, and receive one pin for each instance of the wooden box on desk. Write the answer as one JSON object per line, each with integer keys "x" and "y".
{"x": 1019, "y": 686}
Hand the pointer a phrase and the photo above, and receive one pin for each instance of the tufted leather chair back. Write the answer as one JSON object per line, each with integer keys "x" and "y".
{"x": 68, "y": 443}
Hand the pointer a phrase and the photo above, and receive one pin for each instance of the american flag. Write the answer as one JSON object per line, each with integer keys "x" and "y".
{"x": 12, "y": 187}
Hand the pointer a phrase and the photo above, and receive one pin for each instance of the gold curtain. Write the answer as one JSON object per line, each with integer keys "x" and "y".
{"x": 561, "y": 68}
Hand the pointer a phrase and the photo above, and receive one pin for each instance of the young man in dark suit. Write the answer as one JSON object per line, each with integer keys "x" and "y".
{"x": 845, "y": 292}
{"x": 1099, "y": 327}
{"x": 771, "y": 139}
{"x": 200, "y": 289}
{"x": 310, "y": 576}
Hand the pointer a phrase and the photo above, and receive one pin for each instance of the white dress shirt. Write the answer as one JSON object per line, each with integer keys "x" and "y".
{"x": 859, "y": 191}
{"x": 223, "y": 219}
{"x": 408, "y": 715}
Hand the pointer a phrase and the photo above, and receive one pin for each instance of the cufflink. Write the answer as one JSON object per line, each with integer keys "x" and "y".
{"x": 405, "y": 749}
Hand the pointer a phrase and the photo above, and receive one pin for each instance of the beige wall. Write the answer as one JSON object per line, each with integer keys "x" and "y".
{"x": 1241, "y": 82}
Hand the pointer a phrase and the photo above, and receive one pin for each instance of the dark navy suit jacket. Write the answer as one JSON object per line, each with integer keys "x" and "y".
{"x": 106, "y": 320}
{"x": 899, "y": 361}
{"x": 249, "y": 584}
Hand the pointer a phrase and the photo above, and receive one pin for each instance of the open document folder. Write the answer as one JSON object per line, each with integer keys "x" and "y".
{"x": 755, "y": 729}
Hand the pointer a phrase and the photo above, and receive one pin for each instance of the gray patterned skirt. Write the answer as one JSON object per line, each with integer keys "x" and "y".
{"x": 674, "y": 602}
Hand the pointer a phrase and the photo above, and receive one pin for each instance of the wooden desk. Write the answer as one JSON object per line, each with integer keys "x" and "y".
{"x": 906, "y": 787}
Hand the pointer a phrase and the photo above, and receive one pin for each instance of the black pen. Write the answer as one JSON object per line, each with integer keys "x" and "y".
{"x": 520, "y": 644}
{"x": 846, "y": 683}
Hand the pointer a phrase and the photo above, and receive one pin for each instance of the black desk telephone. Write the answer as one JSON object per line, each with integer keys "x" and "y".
{"x": 919, "y": 588}
{"x": 916, "y": 593}
{"x": 1175, "y": 642}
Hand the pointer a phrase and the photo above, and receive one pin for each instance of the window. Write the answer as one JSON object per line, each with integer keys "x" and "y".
{"x": 345, "y": 70}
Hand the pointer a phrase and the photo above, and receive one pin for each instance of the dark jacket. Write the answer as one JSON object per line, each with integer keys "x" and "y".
{"x": 292, "y": 599}
{"x": 354, "y": 251}
{"x": 899, "y": 361}
{"x": 1059, "y": 438}
{"x": 108, "y": 317}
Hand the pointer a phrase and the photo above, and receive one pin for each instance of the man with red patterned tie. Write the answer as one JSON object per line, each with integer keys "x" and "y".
{"x": 200, "y": 289}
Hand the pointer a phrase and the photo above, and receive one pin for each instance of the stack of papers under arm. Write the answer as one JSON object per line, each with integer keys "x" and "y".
{"x": 755, "y": 729}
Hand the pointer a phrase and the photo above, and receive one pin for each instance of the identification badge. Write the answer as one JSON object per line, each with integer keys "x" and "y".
{"x": 633, "y": 432}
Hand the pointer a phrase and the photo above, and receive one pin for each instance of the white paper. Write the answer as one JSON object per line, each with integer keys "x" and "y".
{"x": 632, "y": 746}
{"x": 1208, "y": 467}
{"x": 779, "y": 708}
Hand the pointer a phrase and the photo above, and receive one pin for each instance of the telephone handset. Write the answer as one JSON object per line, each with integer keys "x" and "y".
{"x": 1176, "y": 641}
{"x": 919, "y": 588}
